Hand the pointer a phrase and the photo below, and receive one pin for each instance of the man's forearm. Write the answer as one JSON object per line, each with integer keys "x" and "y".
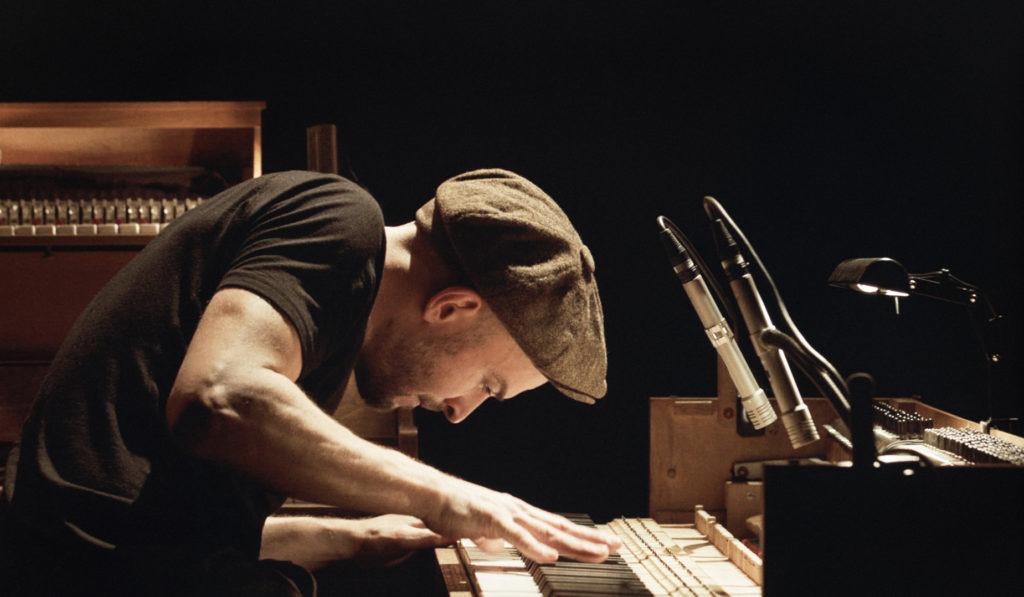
{"x": 308, "y": 541}
{"x": 267, "y": 428}
{"x": 314, "y": 542}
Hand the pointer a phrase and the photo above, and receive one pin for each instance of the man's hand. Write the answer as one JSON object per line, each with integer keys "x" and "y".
{"x": 390, "y": 539}
{"x": 314, "y": 542}
{"x": 490, "y": 518}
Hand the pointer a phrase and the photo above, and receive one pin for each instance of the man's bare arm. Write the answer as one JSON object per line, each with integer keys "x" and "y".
{"x": 235, "y": 401}
{"x": 315, "y": 541}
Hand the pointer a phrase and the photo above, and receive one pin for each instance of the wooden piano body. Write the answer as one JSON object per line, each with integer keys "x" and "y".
{"x": 54, "y": 152}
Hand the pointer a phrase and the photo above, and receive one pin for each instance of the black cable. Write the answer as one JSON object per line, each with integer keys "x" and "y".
{"x": 730, "y": 312}
{"x": 811, "y": 369}
{"x": 821, "y": 365}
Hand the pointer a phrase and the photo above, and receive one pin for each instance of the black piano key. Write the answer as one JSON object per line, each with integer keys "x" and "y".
{"x": 567, "y": 578}
{"x": 607, "y": 582}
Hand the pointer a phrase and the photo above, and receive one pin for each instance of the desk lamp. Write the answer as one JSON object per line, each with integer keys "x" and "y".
{"x": 887, "y": 277}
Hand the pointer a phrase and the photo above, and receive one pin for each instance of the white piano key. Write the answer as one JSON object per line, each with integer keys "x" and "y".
{"x": 512, "y": 584}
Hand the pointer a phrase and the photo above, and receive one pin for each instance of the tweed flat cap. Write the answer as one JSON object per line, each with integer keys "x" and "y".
{"x": 522, "y": 254}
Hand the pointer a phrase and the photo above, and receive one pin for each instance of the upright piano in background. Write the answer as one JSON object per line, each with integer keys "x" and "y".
{"x": 83, "y": 188}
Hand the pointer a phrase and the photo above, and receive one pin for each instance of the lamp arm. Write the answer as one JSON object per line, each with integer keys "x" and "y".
{"x": 943, "y": 285}
{"x": 983, "y": 333}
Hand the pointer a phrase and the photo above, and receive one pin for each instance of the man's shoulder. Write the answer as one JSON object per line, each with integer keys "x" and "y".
{"x": 294, "y": 188}
{"x": 302, "y": 178}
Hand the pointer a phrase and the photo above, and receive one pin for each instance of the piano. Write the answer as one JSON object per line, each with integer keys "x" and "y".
{"x": 83, "y": 187}
{"x": 659, "y": 560}
{"x": 734, "y": 511}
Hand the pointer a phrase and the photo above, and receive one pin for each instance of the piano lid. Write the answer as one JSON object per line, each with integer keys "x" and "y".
{"x": 220, "y": 137}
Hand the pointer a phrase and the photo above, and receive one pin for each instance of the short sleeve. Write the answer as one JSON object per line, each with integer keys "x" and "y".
{"x": 312, "y": 247}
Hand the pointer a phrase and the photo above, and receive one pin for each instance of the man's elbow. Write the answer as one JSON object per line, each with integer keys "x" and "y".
{"x": 198, "y": 417}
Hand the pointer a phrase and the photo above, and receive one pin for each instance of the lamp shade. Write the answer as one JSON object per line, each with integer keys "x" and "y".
{"x": 873, "y": 275}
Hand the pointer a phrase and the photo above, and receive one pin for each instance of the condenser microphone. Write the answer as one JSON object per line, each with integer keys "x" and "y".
{"x": 755, "y": 404}
{"x": 796, "y": 417}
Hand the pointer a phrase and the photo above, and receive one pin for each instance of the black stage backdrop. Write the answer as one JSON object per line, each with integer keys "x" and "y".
{"x": 827, "y": 130}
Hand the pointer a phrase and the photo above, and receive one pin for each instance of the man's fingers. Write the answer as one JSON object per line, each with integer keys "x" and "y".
{"x": 584, "y": 533}
{"x": 538, "y": 534}
{"x": 573, "y": 546}
{"x": 584, "y": 543}
{"x": 489, "y": 544}
{"x": 543, "y": 537}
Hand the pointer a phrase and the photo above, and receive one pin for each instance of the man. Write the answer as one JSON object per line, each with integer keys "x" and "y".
{"x": 193, "y": 393}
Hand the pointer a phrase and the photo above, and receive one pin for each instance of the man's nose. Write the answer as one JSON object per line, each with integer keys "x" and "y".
{"x": 457, "y": 409}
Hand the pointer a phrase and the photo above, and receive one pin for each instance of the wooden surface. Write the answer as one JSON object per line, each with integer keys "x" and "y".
{"x": 224, "y": 135}
{"x": 694, "y": 443}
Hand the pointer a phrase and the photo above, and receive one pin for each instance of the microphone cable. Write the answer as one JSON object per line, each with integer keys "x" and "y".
{"x": 730, "y": 310}
{"x": 816, "y": 367}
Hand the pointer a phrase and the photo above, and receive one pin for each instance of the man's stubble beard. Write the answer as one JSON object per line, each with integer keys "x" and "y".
{"x": 395, "y": 366}
{"x": 385, "y": 370}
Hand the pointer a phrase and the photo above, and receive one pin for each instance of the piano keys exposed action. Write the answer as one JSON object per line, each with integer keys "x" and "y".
{"x": 681, "y": 559}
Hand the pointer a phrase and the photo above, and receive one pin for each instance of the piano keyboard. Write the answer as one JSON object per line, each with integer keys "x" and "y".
{"x": 654, "y": 560}
{"x": 90, "y": 217}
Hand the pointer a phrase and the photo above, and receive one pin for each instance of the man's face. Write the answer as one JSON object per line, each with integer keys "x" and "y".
{"x": 451, "y": 370}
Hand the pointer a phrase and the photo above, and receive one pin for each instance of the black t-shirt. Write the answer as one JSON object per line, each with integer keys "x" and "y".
{"x": 95, "y": 457}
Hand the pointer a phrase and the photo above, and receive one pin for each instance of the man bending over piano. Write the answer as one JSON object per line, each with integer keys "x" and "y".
{"x": 194, "y": 392}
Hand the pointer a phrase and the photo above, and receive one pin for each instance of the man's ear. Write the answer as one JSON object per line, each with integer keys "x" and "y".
{"x": 452, "y": 304}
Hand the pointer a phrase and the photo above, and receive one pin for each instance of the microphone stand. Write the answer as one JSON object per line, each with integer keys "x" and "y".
{"x": 862, "y": 392}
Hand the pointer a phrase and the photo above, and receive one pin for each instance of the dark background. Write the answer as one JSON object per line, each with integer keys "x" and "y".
{"x": 827, "y": 130}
